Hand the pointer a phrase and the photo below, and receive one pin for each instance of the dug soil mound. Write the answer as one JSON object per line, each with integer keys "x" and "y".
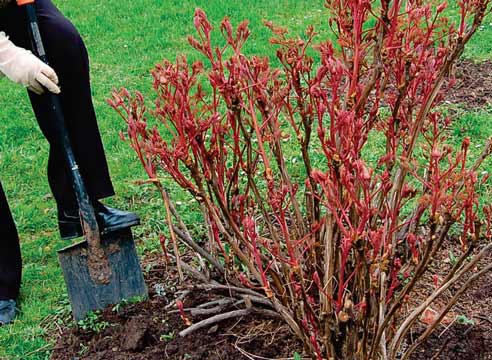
{"x": 149, "y": 330}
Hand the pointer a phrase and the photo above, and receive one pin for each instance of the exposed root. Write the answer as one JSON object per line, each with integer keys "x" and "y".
{"x": 229, "y": 315}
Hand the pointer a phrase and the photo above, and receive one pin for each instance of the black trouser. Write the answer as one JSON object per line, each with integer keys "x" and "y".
{"x": 68, "y": 56}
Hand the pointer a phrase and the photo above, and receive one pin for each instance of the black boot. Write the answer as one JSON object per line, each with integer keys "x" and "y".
{"x": 108, "y": 219}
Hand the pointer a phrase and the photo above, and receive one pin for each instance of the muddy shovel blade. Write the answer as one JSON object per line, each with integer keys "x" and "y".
{"x": 126, "y": 280}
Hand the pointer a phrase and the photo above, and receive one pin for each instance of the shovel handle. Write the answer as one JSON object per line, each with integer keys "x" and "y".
{"x": 100, "y": 269}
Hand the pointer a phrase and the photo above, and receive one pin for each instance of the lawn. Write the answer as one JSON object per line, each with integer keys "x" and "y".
{"x": 125, "y": 39}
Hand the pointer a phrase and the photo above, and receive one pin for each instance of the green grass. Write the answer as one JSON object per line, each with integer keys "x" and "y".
{"x": 125, "y": 39}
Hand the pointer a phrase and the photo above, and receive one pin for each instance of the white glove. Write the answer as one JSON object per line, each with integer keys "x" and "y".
{"x": 24, "y": 68}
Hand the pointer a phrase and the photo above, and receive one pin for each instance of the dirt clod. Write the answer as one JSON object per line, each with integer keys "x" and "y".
{"x": 136, "y": 330}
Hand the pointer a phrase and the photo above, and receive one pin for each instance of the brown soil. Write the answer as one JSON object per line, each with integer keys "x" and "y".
{"x": 473, "y": 87}
{"x": 148, "y": 331}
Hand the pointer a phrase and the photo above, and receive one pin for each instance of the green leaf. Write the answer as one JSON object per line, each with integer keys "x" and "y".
{"x": 462, "y": 319}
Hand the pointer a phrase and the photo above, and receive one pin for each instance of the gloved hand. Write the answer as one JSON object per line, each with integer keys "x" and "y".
{"x": 24, "y": 68}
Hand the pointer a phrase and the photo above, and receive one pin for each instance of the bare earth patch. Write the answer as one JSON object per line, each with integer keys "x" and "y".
{"x": 149, "y": 331}
{"x": 473, "y": 88}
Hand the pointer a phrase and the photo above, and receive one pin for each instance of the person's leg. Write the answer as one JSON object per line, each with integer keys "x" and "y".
{"x": 10, "y": 256}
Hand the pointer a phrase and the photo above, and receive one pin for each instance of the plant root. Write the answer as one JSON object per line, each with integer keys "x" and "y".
{"x": 229, "y": 315}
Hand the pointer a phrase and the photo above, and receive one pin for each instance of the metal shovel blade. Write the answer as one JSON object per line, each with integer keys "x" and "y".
{"x": 126, "y": 280}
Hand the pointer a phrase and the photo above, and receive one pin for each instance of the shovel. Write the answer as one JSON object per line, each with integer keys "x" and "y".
{"x": 101, "y": 270}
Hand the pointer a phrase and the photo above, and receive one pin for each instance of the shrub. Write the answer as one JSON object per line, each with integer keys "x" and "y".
{"x": 340, "y": 240}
